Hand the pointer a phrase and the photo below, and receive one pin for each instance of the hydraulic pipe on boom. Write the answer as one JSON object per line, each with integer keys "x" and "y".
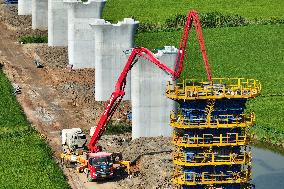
{"x": 192, "y": 17}
{"x": 118, "y": 94}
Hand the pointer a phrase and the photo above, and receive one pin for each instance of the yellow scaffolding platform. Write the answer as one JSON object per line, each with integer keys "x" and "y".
{"x": 192, "y": 178}
{"x": 203, "y": 159}
{"x": 217, "y": 89}
{"x": 211, "y": 134}
{"x": 243, "y": 121}
{"x": 209, "y": 140}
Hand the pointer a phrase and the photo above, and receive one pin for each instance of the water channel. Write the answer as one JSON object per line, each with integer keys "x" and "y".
{"x": 268, "y": 168}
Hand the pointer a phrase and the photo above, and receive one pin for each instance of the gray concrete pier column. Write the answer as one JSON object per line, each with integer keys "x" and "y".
{"x": 39, "y": 14}
{"x": 150, "y": 107}
{"x": 81, "y": 50}
{"x": 57, "y": 23}
{"x": 111, "y": 42}
{"x": 24, "y": 7}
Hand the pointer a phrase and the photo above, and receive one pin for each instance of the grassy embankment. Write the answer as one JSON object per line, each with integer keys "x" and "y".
{"x": 25, "y": 159}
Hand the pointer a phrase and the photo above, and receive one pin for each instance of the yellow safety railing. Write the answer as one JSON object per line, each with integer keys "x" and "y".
{"x": 242, "y": 186}
{"x": 243, "y": 120}
{"x": 202, "y": 159}
{"x": 205, "y": 178}
{"x": 217, "y": 89}
{"x": 208, "y": 140}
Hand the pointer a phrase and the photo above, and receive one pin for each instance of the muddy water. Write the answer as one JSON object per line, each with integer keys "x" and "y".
{"x": 268, "y": 168}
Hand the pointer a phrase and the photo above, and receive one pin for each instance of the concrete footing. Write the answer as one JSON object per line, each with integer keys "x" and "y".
{"x": 80, "y": 37}
{"x": 150, "y": 107}
{"x": 57, "y": 23}
{"x": 39, "y": 14}
{"x": 24, "y": 7}
{"x": 111, "y": 40}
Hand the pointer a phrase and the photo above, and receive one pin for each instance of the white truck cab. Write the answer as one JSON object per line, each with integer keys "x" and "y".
{"x": 73, "y": 139}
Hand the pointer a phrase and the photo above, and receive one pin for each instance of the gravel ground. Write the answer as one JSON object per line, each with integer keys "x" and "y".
{"x": 22, "y": 25}
{"x": 52, "y": 57}
{"x": 152, "y": 156}
{"x": 75, "y": 85}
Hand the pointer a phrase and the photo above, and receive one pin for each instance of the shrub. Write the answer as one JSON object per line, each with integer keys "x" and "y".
{"x": 208, "y": 20}
{"x": 118, "y": 128}
{"x": 270, "y": 21}
{"x": 148, "y": 27}
{"x": 33, "y": 39}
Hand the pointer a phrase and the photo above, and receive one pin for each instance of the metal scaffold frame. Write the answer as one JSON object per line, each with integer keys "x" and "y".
{"x": 211, "y": 132}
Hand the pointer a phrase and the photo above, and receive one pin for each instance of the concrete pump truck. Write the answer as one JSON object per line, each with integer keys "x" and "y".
{"x": 90, "y": 159}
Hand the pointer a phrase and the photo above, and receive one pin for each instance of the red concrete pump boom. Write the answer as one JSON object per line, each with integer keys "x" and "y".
{"x": 118, "y": 94}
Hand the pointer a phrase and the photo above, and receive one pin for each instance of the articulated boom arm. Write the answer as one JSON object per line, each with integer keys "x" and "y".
{"x": 141, "y": 52}
{"x": 117, "y": 95}
{"x": 192, "y": 17}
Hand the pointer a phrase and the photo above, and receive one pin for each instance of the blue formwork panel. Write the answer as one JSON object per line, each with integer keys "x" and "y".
{"x": 225, "y": 169}
{"x": 212, "y": 131}
{"x": 226, "y": 109}
{"x": 224, "y": 150}
{"x": 11, "y": 1}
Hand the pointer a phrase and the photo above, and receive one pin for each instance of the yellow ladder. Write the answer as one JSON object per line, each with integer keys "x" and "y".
{"x": 209, "y": 109}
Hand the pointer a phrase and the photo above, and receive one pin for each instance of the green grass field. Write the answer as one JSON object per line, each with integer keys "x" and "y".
{"x": 159, "y": 10}
{"x": 25, "y": 159}
{"x": 251, "y": 52}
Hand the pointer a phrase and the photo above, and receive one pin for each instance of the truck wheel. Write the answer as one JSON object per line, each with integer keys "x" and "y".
{"x": 68, "y": 164}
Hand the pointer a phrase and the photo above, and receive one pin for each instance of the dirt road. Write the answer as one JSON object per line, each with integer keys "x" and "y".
{"x": 43, "y": 104}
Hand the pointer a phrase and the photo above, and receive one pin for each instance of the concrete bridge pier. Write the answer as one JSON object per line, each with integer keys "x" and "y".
{"x": 81, "y": 47}
{"x": 39, "y": 14}
{"x": 57, "y": 23}
{"x": 24, "y": 7}
{"x": 150, "y": 107}
{"x": 111, "y": 42}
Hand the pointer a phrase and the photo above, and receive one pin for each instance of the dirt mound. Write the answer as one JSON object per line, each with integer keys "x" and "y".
{"x": 22, "y": 25}
{"x": 151, "y": 155}
{"x": 138, "y": 148}
{"x": 155, "y": 172}
{"x": 76, "y": 86}
{"x": 9, "y": 14}
{"x": 53, "y": 57}
{"x": 134, "y": 150}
